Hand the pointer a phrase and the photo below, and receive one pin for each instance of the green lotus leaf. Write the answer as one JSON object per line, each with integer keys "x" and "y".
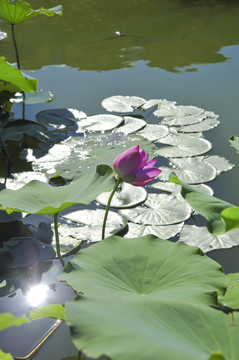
{"x": 159, "y": 209}
{"x": 126, "y": 197}
{"x": 41, "y": 198}
{"x": 131, "y": 124}
{"x": 234, "y": 141}
{"x": 119, "y": 103}
{"x": 231, "y": 297}
{"x": 15, "y": 77}
{"x": 87, "y": 225}
{"x": 7, "y": 320}
{"x": 147, "y": 292}
{"x": 208, "y": 206}
{"x": 19, "y": 11}
{"x": 201, "y": 237}
{"x": 5, "y": 356}
{"x": 101, "y": 122}
{"x": 230, "y": 216}
{"x": 182, "y": 146}
{"x": 56, "y": 311}
{"x": 40, "y": 98}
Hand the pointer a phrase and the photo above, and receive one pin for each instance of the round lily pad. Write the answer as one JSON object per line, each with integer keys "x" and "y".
{"x": 182, "y": 146}
{"x": 205, "y": 125}
{"x": 160, "y": 102}
{"x": 131, "y": 124}
{"x": 89, "y": 224}
{"x": 189, "y": 170}
{"x": 101, "y": 122}
{"x": 201, "y": 237}
{"x": 119, "y": 103}
{"x": 128, "y": 196}
{"x": 159, "y": 209}
{"x": 180, "y": 115}
{"x": 154, "y": 132}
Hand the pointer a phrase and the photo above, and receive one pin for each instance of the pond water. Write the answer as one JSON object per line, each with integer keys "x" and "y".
{"x": 183, "y": 51}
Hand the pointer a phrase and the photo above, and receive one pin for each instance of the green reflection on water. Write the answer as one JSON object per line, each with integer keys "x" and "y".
{"x": 166, "y": 33}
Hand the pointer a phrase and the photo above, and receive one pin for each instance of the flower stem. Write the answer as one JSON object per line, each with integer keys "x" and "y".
{"x": 108, "y": 207}
{"x": 57, "y": 240}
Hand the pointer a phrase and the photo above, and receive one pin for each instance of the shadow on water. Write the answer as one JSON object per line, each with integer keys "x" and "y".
{"x": 166, "y": 34}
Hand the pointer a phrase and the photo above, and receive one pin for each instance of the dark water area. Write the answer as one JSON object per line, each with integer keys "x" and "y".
{"x": 183, "y": 51}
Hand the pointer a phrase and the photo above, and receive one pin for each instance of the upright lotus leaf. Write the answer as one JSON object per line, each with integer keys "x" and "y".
{"x": 41, "y": 198}
{"x": 148, "y": 294}
{"x": 14, "y": 76}
{"x": 5, "y": 356}
{"x": 19, "y": 11}
{"x": 208, "y": 206}
{"x": 234, "y": 141}
{"x": 7, "y": 320}
{"x": 231, "y": 217}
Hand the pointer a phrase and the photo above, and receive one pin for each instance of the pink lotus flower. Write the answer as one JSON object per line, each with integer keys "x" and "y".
{"x": 132, "y": 167}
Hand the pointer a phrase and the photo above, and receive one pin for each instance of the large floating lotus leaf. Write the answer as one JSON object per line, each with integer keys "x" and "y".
{"x": 148, "y": 328}
{"x": 159, "y": 102}
{"x": 209, "y": 207}
{"x": 201, "y": 237}
{"x": 205, "y": 125}
{"x": 127, "y": 196}
{"x": 19, "y": 11}
{"x": 182, "y": 146}
{"x": 220, "y": 163}
{"x": 60, "y": 118}
{"x": 189, "y": 170}
{"x": 164, "y": 232}
{"x": 159, "y": 209}
{"x": 7, "y": 320}
{"x": 98, "y": 149}
{"x": 14, "y": 76}
{"x": 141, "y": 291}
{"x": 41, "y": 198}
{"x": 131, "y": 124}
{"x": 154, "y": 132}
{"x": 180, "y": 115}
{"x": 101, "y": 122}
{"x": 231, "y": 298}
{"x": 119, "y": 103}
{"x": 234, "y": 141}
{"x": 89, "y": 224}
